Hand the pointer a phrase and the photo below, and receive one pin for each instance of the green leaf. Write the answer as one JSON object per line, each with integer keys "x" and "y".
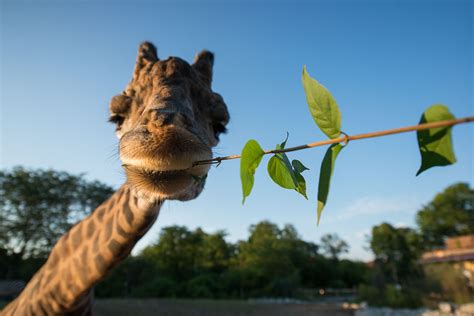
{"x": 282, "y": 145}
{"x": 280, "y": 169}
{"x": 301, "y": 188}
{"x": 322, "y": 105}
{"x": 435, "y": 144}
{"x": 327, "y": 168}
{"x": 298, "y": 166}
{"x": 280, "y": 173}
{"x": 284, "y": 173}
{"x": 251, "y": 157}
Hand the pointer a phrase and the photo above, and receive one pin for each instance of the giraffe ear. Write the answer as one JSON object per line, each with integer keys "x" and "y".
{"x": 146, "y": 54}
{"x": 203, "y": 63}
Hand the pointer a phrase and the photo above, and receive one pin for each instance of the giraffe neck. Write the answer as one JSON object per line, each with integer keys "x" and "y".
{"x": 85, "y": 254}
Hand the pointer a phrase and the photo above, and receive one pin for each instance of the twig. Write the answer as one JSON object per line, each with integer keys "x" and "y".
{"x": 346, "y": 138}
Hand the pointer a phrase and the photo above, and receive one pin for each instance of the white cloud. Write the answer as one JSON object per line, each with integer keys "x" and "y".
{"x": 375, "y": 206}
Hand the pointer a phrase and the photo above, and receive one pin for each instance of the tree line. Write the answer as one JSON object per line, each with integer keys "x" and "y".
{"x": 272, "y": 261}
{"x": 38, "y": 206}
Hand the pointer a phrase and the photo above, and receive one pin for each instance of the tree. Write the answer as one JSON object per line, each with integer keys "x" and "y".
{"x": 450, "y": 213}
{"x": 182, "y": 254}
{"x": 272, "y": 259}
{"x": 174, "y": 253}
{"x": 398, "y": 249}
{"x": 352, "y": 273}
{"x": 39, "y": 206}
{"x": 215, "y": 252}
{"x": 396, "y": 274}
{"x": 192, "y": 260}
{"x": 334, "y": 246}
{"x": 266, "y": 251}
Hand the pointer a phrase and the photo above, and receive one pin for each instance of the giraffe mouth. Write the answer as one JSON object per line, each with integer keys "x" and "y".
{"x": 155, "y": 175}
{"x": 166, "y": 183}
{"x": 173, "y": 149}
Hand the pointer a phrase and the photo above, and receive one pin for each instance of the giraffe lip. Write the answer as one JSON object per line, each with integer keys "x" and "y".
{"x": 154, "y": 173}
{"x": 165, "y": 184}
{"x": 156, "y": 168}
{"x": 164, "y": 175}
{"x": 172, "y": 149}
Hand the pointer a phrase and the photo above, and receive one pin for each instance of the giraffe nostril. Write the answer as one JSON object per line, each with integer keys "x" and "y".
{"x": 159, "y": 118}
{"x": 162, "y": 117}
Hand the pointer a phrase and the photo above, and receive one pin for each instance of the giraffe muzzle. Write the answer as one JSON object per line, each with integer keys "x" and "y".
{"x": 162, "y": 162}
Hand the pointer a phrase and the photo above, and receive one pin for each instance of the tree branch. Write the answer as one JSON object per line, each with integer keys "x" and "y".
{"x": 346, "y": 138}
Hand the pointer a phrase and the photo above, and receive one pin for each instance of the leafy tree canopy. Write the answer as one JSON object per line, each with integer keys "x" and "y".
{"x": 397, "y": 249}
{"x": 450, "y": 213}
{"x": 39, "y": 206}
{"x": 181, "y": 253}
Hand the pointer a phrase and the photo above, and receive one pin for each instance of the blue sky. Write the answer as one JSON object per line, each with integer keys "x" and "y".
{"x": 384, "y": 62}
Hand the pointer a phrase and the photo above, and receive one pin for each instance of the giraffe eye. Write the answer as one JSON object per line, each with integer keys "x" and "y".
{"x": 117, "y": 119}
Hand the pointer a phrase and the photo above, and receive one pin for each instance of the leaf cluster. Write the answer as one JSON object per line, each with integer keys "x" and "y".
{"x": 435, "y": 146}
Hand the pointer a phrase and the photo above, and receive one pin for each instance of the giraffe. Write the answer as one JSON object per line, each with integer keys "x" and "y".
{"x": 166, "y": 118}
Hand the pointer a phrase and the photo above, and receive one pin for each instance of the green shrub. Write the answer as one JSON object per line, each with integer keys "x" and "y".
{"x": 449, "y": 283}
{"x": 391, "y": 296}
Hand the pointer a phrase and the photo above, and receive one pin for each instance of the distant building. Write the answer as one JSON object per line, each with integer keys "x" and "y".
{"x": 459, "y": 251}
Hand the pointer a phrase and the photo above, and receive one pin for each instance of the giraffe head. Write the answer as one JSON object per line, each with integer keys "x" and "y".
{"x": 167, "y": 118}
